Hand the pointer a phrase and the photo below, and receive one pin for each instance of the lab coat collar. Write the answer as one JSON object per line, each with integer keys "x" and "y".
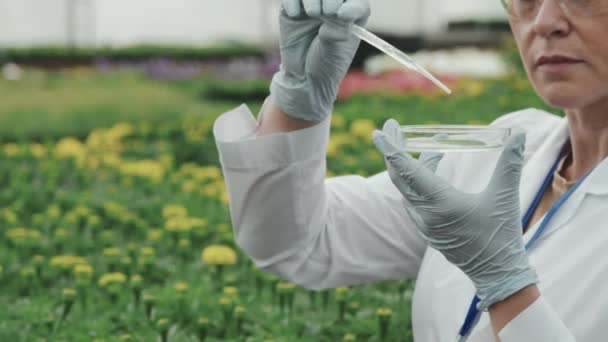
{"x": 539, "y": 164}
{"x": 597, "y": 182}
{"x": 536, "y": 169}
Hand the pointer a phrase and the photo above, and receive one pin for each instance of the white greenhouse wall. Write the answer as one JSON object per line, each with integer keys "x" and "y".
{"x": 201, "y": 22}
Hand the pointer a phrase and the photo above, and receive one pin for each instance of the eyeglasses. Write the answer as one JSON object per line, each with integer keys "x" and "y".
{"x": 528, "y": 9}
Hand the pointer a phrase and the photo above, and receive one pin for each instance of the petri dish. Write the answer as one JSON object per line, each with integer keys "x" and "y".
{"x": 453, "y": 138}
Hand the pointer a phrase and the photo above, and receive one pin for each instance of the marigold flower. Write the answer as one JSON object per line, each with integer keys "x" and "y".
{"x": 70, "y": 148}
{"x": 349, "y": 337}
{"x": 218, "y": 255}
{"x": 362, "y": 129}
{"x": 225, "y": 301}
{"x": 68, "y": 294}
{"x": 11, "y": 149}
{"x": 22, "y": 236}
{"x": 38, "y": 150}
{"x": 112, "y": 278}
{"x": 163, "y": 324}
{"x": 38, "y": 260}
{"x": 239, "y": 310}
{"x": 67, "y": 261}
{"x": 83, "y": 270}
{"x": 155, "y": 234}
{"x": 181, "y": 287}
{"x": 384, "y": 312}
{"x": 111, "y": 252}
{"x": 230, "y": 291}
{"x": 136, "y": 280}
{"x": 174, "y": 210}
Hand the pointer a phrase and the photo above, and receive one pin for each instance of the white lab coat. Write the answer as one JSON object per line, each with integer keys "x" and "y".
{"x": 322, "y": 233}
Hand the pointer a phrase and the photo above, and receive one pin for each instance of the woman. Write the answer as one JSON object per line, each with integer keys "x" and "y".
{"x": 453, "y": 223}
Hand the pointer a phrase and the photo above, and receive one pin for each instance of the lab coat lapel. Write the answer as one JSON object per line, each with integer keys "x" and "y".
{"x": 536, "y": 169}
{"x": 595, "y": 184}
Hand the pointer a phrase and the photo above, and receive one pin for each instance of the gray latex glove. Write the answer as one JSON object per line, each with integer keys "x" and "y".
{"x": 315, "y": 54}
{"x": 479, "y": 233}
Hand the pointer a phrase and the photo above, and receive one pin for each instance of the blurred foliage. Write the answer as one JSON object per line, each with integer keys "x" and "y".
{"x": 64, "y": 54}
{"x": 243, "y": 91}
{"x": 51, "y": 104}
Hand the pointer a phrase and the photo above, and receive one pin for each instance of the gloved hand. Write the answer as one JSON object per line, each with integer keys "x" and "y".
{"x": 479, "y": 233}
{"x": 315, "y": 54}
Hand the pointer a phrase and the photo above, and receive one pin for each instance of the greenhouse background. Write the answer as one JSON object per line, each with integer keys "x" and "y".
{"x": 114, "y": 220}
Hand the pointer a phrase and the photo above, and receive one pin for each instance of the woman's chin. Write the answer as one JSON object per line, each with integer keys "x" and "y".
{"x": 563, "y": 96}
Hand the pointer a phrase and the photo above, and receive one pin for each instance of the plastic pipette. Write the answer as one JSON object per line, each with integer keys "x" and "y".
{"x": 395, "y": 53}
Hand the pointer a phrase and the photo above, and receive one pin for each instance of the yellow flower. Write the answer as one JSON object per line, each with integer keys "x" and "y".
{"x": 341, "y": 290}
{"x": 174, "y": 210}
{"x": 218, "y": 255}
{"x": 150, "y": 169}
{"x": 22, "y": 236}
{"x": 336, "y": 142}
{"x": 239, "y": 311}
{"x": 70, "y": 148}
{"x": 384, "y": 312}
{"x": 178, "y": 224}
{"x": 163, "y": 324}
{"x": 155, "y": 234}
{"x": 11, "y": 149}
{"x": 183, "y": 244}
{"x": 203, "y": 321}
{"x": 181, "y": 287}
{"x": 337, "y": 120}
{"x": 83, "y": 273}
{"x": 112, "y": 278}
{"x": 8, "y": 215}
{"x": 38, "y": 150}
{"x": 136, "y": 281}
{"x": 111, "y": 252}
{"x": 53, "y": 211}
{"x": 284, "y": 286}
{"x": 473, "y": 88}
{"x": 68, "y": 293}
{"x": 225, "y": 301}
{"x": 349, "y": 337}
{"x": 231, "y": 291}
{"x": 67, "y": 262}
{"x": 362, "y": 129}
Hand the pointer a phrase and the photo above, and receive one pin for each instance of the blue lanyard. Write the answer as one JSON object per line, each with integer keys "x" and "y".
{"x": 473, "y": 314}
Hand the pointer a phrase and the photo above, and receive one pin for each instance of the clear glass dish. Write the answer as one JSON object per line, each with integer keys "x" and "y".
{"x": 453, "y": 138}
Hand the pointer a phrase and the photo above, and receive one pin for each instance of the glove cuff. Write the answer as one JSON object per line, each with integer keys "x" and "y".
{"x": 295, "y": 98}
{"x": 502, "y": 289}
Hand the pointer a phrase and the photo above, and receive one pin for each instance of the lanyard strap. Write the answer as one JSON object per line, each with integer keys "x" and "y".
{"x": 473, "y": 314}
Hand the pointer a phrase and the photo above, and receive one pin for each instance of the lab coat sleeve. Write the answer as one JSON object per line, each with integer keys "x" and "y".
{"x": 537, "y": 323}
{"x": 292, "y": 221}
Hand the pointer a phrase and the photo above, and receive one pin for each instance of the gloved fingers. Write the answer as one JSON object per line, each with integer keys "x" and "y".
{"x": 292, "y": 8}
{"x": 390, "y": 137}
{"x": 357, "y": 11}
{"x": 331, "y": 7}
{"x": 312, "y": 8}
{"x": 409, "y": 174}
{"x": 508, "y": 168}
{"x": 333, "y": 31}
{"x": 413, "y": 214}
{"x": 385, "y": 144}
{"x": 430, "y": 160}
